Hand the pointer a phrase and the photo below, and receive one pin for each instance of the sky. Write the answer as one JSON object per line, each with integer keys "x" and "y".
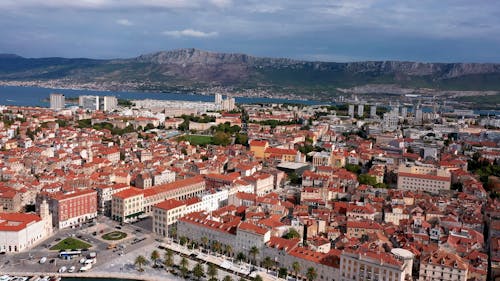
{"x": 334, "y": 30}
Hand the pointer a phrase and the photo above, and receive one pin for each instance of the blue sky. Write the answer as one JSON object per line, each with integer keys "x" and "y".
{"x": 336, "y": 30}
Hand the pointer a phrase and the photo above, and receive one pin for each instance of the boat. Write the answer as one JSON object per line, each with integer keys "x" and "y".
{"x": 62, "y": 269}
{"x": 5, "y": 278}
{"x": 71, "y": 269}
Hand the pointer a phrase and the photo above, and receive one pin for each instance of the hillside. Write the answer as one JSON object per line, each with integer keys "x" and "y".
{"x": 195, "y": 69}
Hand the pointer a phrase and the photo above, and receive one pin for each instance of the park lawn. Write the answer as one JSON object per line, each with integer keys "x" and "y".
{"x": 199, "y": 140}
{"x": 69, "y": 244}
{"x": 114, "y": 235}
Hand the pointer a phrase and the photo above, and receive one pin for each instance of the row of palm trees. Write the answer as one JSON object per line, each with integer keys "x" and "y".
{"x": 198, "y": 270}
{"x": 253, "y": 252}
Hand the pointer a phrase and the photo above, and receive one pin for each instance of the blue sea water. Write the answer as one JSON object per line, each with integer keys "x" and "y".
{"x": 36, "y": 96}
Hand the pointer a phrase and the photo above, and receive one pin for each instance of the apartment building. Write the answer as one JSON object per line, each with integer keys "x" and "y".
{"x": 131, "y": 203}
{"x": 70, "y": 209}
{"x": 423, "y": 178}
{"x": 441, "y": 265}
{"x": 366, "y": 264}
{"x": 127, "y": 205}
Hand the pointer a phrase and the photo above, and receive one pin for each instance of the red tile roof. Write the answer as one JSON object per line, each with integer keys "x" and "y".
{"x": 16, "y": 221}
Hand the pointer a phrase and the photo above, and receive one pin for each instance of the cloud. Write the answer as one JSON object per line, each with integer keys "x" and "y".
{"x": 124, "y": 22}
{"x": 221, "y": 3}
{"x": 190, "y": 33}
{"x": 113, "y": 4}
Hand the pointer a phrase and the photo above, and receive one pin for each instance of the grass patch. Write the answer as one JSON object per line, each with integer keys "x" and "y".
{"x": 70, "y": 243}
{"x": 114, "y": 235}
{"x": 196, "y": 139}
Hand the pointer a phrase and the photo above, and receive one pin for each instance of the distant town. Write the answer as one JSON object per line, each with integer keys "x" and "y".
{"x": 362, "y": 189}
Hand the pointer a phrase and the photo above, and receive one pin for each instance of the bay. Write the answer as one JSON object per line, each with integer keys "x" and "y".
{"x": 37, "y": 96}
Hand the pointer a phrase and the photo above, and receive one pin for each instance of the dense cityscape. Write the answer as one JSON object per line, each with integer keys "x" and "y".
{"x": 151, "y": 190}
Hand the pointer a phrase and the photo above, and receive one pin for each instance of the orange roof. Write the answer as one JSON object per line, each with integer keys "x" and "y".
{"x": 258, "y": 143}
{"x": 173, "y": 185}
{"x": 423, "y": 176}
{"x": 16, "y": 221}
{"x": 170, "y": 204}
{"x": 252, "y": 228}
{"x": 62, "y": 196}
{"x": 129, "y": 192}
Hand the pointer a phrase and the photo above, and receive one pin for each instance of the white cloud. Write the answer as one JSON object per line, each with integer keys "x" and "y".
{"x": 190, "y": 33}
{"x": 221, "y": 3}
{"x": 124, "y": 22}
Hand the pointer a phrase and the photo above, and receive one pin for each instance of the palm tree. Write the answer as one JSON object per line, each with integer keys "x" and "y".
{"x": 227, "y": 278}
{"x": 267, "y": 263}
{"x": 184, "y": 267}
{"x": 155, "y": 256}
{"x": 311, "y": 274}
{"x": 283, "y": 272}
{"x": 183, "y": 240}
{"x": 296, "y": 269}
{"x": 173, "y": 232}
{"x": 229, "y": 250}
{"x": 216, "y": 246}
{"x": 140, "y": 261}
{"x": 204, "y": 241}
{"x": 169, "y": 258}
{"x": 240, "y": 257}
{"x": 212, "y": 271}
{"x": 198, "y": 271}
{"x": 254, "y": 251}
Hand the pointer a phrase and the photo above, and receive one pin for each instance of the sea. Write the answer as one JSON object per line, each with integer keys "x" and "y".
{"x": 37, "y": 96}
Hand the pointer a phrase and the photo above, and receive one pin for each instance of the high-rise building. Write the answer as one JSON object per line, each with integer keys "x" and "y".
{"x": 373, "y": 111}
{"x": 390, "y": 122}
{"x": 404, "y": 112}
{"x": 57, "y": 101}
{"x": 218, "y": 99}
{"x": 419, "y": 115}
{"x": 109, "y": 103}
{"x": 351, "y": 111}
{"x": 89, "y": 102}
{"x": 361, "y": 110}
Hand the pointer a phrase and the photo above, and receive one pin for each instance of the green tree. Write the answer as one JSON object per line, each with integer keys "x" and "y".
{"x": 221, "y": 138}
{"x": 296, "y": 269}
{"x": 311, "y": 274}
{"x": 169, "y": 258}
{"x": 267, "y": 263}
{"x": 353, "y": 168}
{"x": 283, "y": 272}
{"x": 204, "y": 241}
{"x": 184, "y": 267}
{"x": 227, "y": 278}
{"x": 254, "y": 251}
{"x": 140, "y": 261}
{"x": 183, "y": 240}
{"x": 229, "y": 250}
{"x": 212, "y": 271}
{"x": 198, "y": 271}
{"x": 155, "y": 256}
{"x": 292, "y": 233}
{"x": 258, "y": 278}
{"x": 241, "y": 139}
{"x": 240, "y": 257}
{"x": 367, "y": 179}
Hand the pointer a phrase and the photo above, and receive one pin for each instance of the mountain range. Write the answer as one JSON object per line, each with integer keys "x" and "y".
{"x": 196, "y": 69}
